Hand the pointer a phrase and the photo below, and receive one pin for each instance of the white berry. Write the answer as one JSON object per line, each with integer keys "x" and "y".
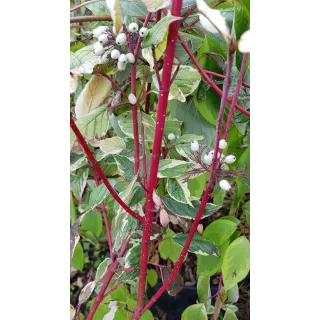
{"x": 143, "y": 32}
{"x": 132, "y": 98}
{"x": 97, "y": 32}
{"x": 104, "y": 58}
{"x": 224, "y": 185}
{"x": 130, "y": 57}
{"x": 133, "y": 27}
{"x": 98, "y": 49}
{"x": 115, "y": 54}
{"x": 121, "y": 66}
{"x": 195, "y": 146}
{"x": 212, "y": 154}
{"x": 224, "y": 167}
{"x": 171, "y": 136}
{"x": 121, "y": 38}
{"x": 103, "y": 38}
{"x": 208, "y": 159}
{"x": 123, "y": 58}
{"x": 222, "y": 144}
{"x": 230, "y": 159}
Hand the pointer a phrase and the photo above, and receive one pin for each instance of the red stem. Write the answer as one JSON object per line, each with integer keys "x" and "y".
{"x": 216, "y": 311}
{"x": 99, "y": 171}
{"x": 137, "y": 49}
{"x": 134, "y": 111}
{"x": 158, "y": 15}
{"x": 235, "y": 96}
{"x": 208, "y": 189}
{"x": 155, "y": 158}
{"x": 112, "y": 289}
{"x": 221, "y": 76}
{"x": 147, "y": 103}
{"x": 207, "y": 78}
{"x": 144, "y": 159}
{"x": 110, "y": 273}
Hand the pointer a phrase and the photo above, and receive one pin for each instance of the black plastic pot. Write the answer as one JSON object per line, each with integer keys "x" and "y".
{"x": 174, "y": 306}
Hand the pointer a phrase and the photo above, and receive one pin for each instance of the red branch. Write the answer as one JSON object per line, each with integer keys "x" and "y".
{"x": 99, "y": 171}
{"x": 235, "y": 96}
{"x": 207, "y": 78}
{"x": 110, "y": 273}
{"x": 208, "y": 189}
{"x": 156, "y": 151}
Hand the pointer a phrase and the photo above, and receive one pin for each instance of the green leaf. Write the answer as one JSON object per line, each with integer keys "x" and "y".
{"x": 235, "y": 265}
{"x": 86, "y": 292}
{"x": 230, "y": 315}
{"x": 98, "y": 8}
{"x": 152, "y": 277}
{"x": 157, "y": 32}
{"x": 132, "y": 260}
{"x": 83, "y": 60}
{"x": 155, "y": 5}
{"x": 233, "y": 294}
{"x": 186, "y": 138}
{"x": 112, "y": 145}
{"x": 186, "y": 211}
{"x": 125, "y": 166}
{"x": 93, "y": 125}
{"x": 246, "y": 211}
{"x": 73, "y": 212}
{"x": 168, "y": 249}
{"x": 80, "y": 162}
{"x": 78, "y": 183}
{"x": 93, "y": 94}
{"x": 171, "y": 168}
{"x": 185, "y": 82}
{"x": 198, "y": 245}
{"x": 193, "y": 122}
{"x": 102, "y": 269}
{"x": 197, "y": 185}
{"x": 207, "y": 103}
{"x": 133, "y": 8}
{"x": 209, "y": 265}
{"x": 96, "y": 197}
{"x": 219, "y": 231}
{"x": 116, "y": 14}
{"x": 204, "y": 291}
{"x": 125, "y": 125}
{"x": 193, "y": 42}
{"x": 178, "y": 190}
{"x": 172, "y": 126}
{"x": 77, "y": 260}
{"x": 195, "y": 311}
{"x": 92, "y": 222}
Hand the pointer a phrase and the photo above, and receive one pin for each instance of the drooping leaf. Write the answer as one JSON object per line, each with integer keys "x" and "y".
{"x": 209, "y": 265}
{"x": 186, "y": 211}
{"x": 178, "y": 190}
{"x": 176, "y": 285}
{"x": 96, "y": 197}
{"x": 198, "y": 244}
{"x": 132, "y": 260}
{"x": 78, "y": 183}
{"x": 168, "y": 249}
{"x": 157, "y": 32}
{"x": 219, "y": 231}
{"x": 152, "y": 277}
{"x": 155, "y": 5}
{"x": 93, "y": 125}
{"x": 230, "y": 315}
{"x": 93, "y": 94}
{"x": 171, "y": 168}
{"x": 125, "y": 166}
{"x": 86, "y": 292}
{"x": 185, "y": 82}
{"x": 83, "y": 60}
{"x": 115, "y": 10}
{"x": 195, "y": 311}
{"x": 77, "y": 260}
{"x": 235, "y": 264}
{"x": 193, "y": 122}
{"x": 125, "y": 124}
{"x": 112, "y": 145}
{"x": 204, "y": 291}
{"x": 102, "y": 269}
{"x": 233, "y": 294}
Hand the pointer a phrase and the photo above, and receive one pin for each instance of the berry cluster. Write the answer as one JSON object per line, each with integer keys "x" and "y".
{"x": 224, "y": 160}
{"x": 117, "y": 45}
